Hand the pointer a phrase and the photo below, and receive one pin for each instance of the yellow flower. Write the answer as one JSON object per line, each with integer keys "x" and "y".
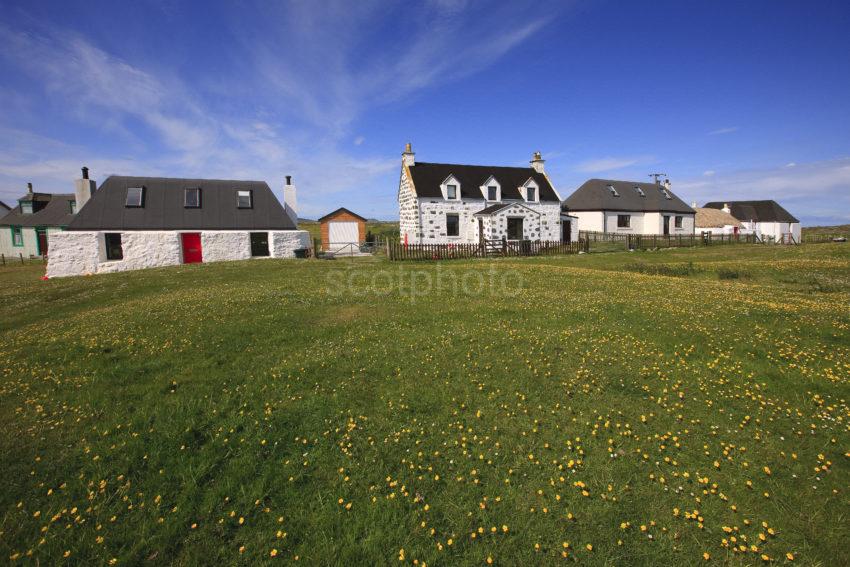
{"x": 273, "y": 553}
{"x": 706, "y": 556}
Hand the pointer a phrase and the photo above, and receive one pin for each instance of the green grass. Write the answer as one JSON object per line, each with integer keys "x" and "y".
{"x": 156, "y": 409}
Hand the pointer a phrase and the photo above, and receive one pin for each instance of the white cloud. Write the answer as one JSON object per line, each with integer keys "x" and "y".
{"x": 810, "y": 191}
{"x": 790, "y": 164}
{"x": 303, "y": 78}
{"x": 727, "y": 130}
{"x": 610, "y": 163}
{"x": 708, "y": 173}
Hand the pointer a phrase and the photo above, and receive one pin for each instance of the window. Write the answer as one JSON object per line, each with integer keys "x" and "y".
{"x": 624, "y": 221}
{"x": 114, "y": 251}
{"x": 192, "y": 198}
{"x": 678, "y": 221}
{"x": 452, "y": 225}
{"x": 514, "y": 228}
{"x": 259, "y": 244}
{"x": 666, "y": 193}
{"x": 26, "y": 207}
{"x": 613, "y": 191}
{"x": 245, "y": 199}
{"x": 73, "y": 205}
{"x": 531, "y": 193}
{"x": 639, "y": 191}
{"x": 451, "y": 191}
{"x": 135, "y": 197}
{"x": 17, "y": 236}
{"x": 492, "y": 193}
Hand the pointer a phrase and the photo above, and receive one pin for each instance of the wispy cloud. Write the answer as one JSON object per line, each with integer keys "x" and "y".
{"x": 305, "y": 74}
{"x": 611, "y": 163}
{"x": 727, "y": 130}
{"x": 815, "y": 192}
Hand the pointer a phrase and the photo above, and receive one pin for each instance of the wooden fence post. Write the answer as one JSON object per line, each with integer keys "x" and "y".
{"x": 21, "y": 254}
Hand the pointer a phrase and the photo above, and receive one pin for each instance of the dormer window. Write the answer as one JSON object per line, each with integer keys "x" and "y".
{"x": 135, "y": 197}
{"x": 491, "y": 190}
{"x": 613, "y": 191}
{"x": 492, "y": 193}
{"x": 639, "y": 191}
{"x": 245, "y": 199}
{"x": 450, "y": 187}
{"x": 530, "y": 190}
{"x": 192, "y": 197}
{"x": 26, "y": 207}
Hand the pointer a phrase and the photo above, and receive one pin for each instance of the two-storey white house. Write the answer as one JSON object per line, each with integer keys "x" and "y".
{"x": 442, "y": 203}
{"x": 630, "y": 207}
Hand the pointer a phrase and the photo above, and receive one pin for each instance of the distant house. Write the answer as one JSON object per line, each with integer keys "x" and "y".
{"x": 25, "y": 229}
{"x": 767, "y": 219}
{"x": 342, "y": 231}
{"x": 630, "y": 207}
{"x": 443, "y": 203}
{"x": 143, "y": 222}
{"x": 716, "y": 221}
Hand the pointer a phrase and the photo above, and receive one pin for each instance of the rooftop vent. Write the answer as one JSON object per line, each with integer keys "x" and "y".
{"x": 613, "y": 191}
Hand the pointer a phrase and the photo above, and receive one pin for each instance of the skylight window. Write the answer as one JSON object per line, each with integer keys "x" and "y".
{"x": 244, "y": 199}
{"x": 613, "y": 191}
{"x": 135, "y": 197}
{"x": 192, "y": 197}
{"x": 639, "y": 191}
{"x": 666, "y": 193}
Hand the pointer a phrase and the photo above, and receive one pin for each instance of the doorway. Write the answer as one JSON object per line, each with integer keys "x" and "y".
{"x": 192, "y": 253}
{"x": 41, "y": 238}
{"x": 515, "y": 228}
{"x": 566, "y": 231}
{"x": 666, "y": 225}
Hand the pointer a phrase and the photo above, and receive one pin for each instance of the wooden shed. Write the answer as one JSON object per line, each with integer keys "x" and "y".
{"x": 341, "y": 229}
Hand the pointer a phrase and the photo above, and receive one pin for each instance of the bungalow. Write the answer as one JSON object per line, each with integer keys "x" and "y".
{"x": 131, "y": 223}
{"x": 767, "y": 219}
{"x": 443, "y": 203}
{"x": 25, "y": 229}
{"x": 716, "y": 221}
{"x": 630, "y": 207}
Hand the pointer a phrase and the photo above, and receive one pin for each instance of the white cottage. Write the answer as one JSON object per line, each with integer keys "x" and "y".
{"x": 441, "y": 203}
{"x": 131, "y": 223}
{"x": 716, "y": 221}
{"x": 767, "y": 219}
{"x": 630, "y": 207}
{"x": 25, "y": 228}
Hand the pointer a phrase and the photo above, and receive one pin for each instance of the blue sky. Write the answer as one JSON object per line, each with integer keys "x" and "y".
{"x": 734, "y": 100}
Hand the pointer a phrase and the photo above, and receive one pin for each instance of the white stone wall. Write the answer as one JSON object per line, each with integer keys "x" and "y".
{"x": 74, "y": 253}
{"x": 408, "y": 210}
{"x": 542, "y": 220}
{"x": 220, "y": 245}
{"x": 284, "y": 243}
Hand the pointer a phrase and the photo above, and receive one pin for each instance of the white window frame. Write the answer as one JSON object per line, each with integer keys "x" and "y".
{"x": 446, "y": 217}
{"x": 444, "y": 188}
{"x": 186, "y": 191}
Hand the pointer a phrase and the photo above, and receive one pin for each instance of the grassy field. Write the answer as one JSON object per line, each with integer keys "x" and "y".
{"x": 672, "y": 407}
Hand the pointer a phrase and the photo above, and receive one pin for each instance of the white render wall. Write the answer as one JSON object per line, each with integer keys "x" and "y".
{"x": 74, "y": 253}
{"x": 641, "y": 223}
{"x": 30, "y": 247}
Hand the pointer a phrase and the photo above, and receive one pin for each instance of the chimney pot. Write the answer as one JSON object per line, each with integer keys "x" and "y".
{"x": 408, "y": 158}
{"x": 29, "y": 187}
{"x": 289, "y": 180}
{"x": 85, "y": 172}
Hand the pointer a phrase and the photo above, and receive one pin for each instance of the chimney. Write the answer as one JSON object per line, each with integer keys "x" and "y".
{"x": 726, "y": 208}
{"x": 667, "y": 184}
{"x": 408, "y": 158}
{"x": 290, "y": 203}
{"x": 537, "y": 162}
{"x": 83, "y": 189}
{"x": 29, "y": 188}
{"x": 693, "y": 204}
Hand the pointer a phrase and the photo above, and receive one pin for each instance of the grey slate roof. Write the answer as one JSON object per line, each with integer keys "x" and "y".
{"x": 594, "y": 195}
{"x": 56, "y": 211}
{"x": 427, "y": 178}
{"x": 163, "y": 206}
{"x": 486, "y": 211}
{"x": 4, "y": 207}
{"x": 759, "y": 211}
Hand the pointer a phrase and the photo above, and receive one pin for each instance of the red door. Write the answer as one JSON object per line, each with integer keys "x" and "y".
{"x": 192, "y": 247}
